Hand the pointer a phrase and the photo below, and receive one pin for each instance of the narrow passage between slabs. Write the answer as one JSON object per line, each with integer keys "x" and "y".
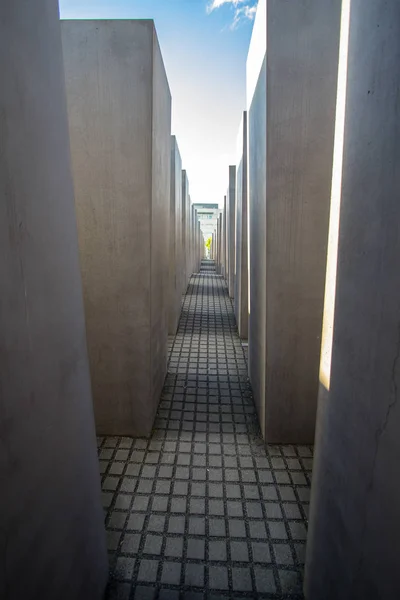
{"x": 203, "y": 509}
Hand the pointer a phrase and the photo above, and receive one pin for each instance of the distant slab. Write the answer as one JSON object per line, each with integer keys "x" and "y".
{"x": 176, "y": 279}
{"x": 241, "y": 246}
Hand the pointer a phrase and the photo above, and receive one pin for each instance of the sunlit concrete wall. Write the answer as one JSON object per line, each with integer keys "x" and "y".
{"x": 119, "y": 109}
{"x": 290, "y": 170}
{"x": 223, "y": 241}
{"x": 241, "y": 250}
{"x": 231, "y": 229}
{"x": 186, "y": 216}
{"x": 219, "y": 244}
{"x": 353, "y": 544}
{"x": 52, "y": 536}
{"x": 176, "y": 285}
{"x": 193, "y": 250}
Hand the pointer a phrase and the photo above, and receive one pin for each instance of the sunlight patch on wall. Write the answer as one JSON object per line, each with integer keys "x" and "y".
{"x": 331, "y": 267}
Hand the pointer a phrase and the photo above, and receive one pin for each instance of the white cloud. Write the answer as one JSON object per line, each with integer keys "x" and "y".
{"x": 218, "y": 3}
{"x": 245, "y": 12}
{"x": 244, "y": 9}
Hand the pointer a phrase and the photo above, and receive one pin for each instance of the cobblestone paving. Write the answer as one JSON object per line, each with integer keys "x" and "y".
{"x": 202, "y": 509}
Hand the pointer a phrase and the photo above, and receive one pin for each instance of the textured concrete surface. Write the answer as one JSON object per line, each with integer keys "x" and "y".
{"x": 257, "y": 211}
{"x": 354, "y": 544}
{"x": 289, "y": 202}
{"x": 241, "y": 248}
{"x": 219, "y": 244}
{"x": 223, "y": 241}
{"x": 52, "y": 539}
{"x": 186, "y": 211}
{"x": 193, "y": 239}
{"x": 203, "y": 509}
{"x": 120, "y": 145}
{"x": 176, "y": 286}
{"x": 231, "y": 230}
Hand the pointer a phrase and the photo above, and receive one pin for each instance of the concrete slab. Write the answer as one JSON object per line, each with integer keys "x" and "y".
{"x": 223, "y": 242}
{"x": 241, "y": 249}
{"x": 219, "y": 244}
{"x": 353, "y": 545}
{"x": 52, "y": 534}
{"x": 186, "y": 211}
{"x": 119, "y": 108}
{"x": 176, "y": 286}
{"x": 231, "y": 230}
{"x": 290, "y": 172}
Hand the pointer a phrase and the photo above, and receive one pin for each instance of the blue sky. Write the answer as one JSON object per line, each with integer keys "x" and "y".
{"x": 204, "y": 45}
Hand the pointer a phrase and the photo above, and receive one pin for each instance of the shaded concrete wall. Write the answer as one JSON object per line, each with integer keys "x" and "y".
{"x": 231, "y": 229}
{"x": 290, "y": 204}
{"x": 176, "y": 286}
{"x": 52, "y": 535}
{"x": 219, "y": 244}
{"x": 119, "y": 118}
{"x": 241, "y": 249}
{"x": 223, "y": 241}
{"x": 257, "y": 124}
{"x": 354, "y": 537}
{"x": 186, "y": 215}
{"x": 192, "y": 239}
{"x": 160, "y": 227}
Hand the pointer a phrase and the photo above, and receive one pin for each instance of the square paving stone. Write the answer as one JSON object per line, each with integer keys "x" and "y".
{"x": 171, "y": 573}
{"x": 261, "y": 552}
{"x": 277, "y": 530}
{"x": 241, "y": 579}
{"x": 117, "y": 520}
{"x": 291, "y": 582}
{"x": 174, "y": 547}
{"x": 176, "y": 525}
{"x": 273, "y": 510}
{"x": 156, "y": 523}
{"x": 113, "y": 539}
{"x": 197, "y": 525}
{"x": 160, "y": 503}
{"x": 194, "y": 575}
{"x": 239, "y": 551}
{"x": 197, "y": 506}
{"x": 140, "y": 503}
{"x": 283, "y": 554}
{"x": 178, "y": 505}
{"x": 254, "y": 510}
{"x": 195, "y": 548}
{"x": 130, "y": 544}
{"x": 298, "y": 531}
{"x": 124, "y": 568}
{"x": 168, "y": 595}
{"x": 217, "y": 550}
{"x": 152, "y": 544}
{"x": 180, "y": 488}
{"x": 257, "y": 530}
{"x": 235, "y": 509}
{"x": 136, "y": 522}
{"x": 216, "y": 507}
{"x": 265, "y": 582}
{"x": 216, "y": 527}
{"x": 218, "y": 578}
{"x": 123, "y": 502}
{"x": 148, "y": 570}
{"x": 237, "y": 528}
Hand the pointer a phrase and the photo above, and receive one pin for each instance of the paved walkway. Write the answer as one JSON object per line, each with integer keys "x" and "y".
{"x": 202, "y": 510}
